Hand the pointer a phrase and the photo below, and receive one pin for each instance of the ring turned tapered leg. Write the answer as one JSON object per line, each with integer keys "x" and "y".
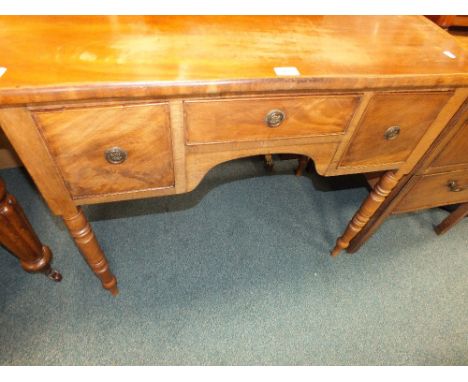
{"x": 367, "y": 209}
{"x": 88, "y": 245}
{"x": 18, "y": 236}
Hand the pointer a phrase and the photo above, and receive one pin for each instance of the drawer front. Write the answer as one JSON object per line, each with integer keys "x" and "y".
{"x": 103, "y": 150}
{"x": 237, "y": 120}
{"x": 436, "y": 190}
{"x": 391, "y": 127}
{"x": 455, "y": 152}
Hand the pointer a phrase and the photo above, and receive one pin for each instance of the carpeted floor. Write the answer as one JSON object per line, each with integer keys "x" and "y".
{"x": 238, "y": 273}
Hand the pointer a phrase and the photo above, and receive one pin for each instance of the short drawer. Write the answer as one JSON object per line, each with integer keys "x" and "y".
{"x": 391, "y": 127}
{"x": 110, "y": 149}
{"x": 435, "y": 190}
{"x": 237, "y": 120}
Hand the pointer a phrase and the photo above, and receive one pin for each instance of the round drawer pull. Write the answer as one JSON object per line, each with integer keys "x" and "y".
{"x": 392, "y": 132}
{"x": 116, "y": 155}
{"x": 274, "y": 118}
{"x": 453, "y": 186}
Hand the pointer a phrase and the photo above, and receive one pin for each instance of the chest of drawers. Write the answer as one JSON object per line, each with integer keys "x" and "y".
{"x": 132, "y": 107}
{"x": 442, "y": 178}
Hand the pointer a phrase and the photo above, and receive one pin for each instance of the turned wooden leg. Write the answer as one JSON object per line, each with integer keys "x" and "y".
{"x": 303, "y": 160}
{"x": 86, "y": 242}
{"x": 456, "y": 216}
{"x": 367, "y": 209}
{"x": 18, "y": 236}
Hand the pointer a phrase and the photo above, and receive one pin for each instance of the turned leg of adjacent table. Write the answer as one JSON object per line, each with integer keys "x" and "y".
{"x": 268, "y": 162}
{"x": 303, "y": 161}
{"x": 18, "y": 236}
{"x": 85, "y": 240}
{"x": 456, "y": 216}
{"x": 367, "y": 209}
{"x": 30, "y": 146}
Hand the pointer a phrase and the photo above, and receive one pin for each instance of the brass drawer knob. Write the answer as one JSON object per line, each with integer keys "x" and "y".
{"x": 453, "y": 186}
{"x": 116, "y": 155}
{"x": 392, "y": 132}
{"x": 274, "y": 118}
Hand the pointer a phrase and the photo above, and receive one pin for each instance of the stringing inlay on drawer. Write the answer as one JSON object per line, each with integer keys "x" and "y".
{"x": 110, "y": 149}
{"x": 237, "y": 120}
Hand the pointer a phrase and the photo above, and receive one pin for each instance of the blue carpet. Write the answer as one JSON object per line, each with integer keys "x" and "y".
{"x": 238, "y": 273}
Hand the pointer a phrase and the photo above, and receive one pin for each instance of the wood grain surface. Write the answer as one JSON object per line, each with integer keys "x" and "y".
{"x": 78, "y": 57}
{"x": 434, "y": 190}
{"x": 182, "y": 94}
{"x": 239, "y": 120}
{"x": 78, "y": 139}
{"x": 411, "y": 113}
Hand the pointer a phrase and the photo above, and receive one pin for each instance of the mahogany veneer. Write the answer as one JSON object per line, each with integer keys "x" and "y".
{"x": 78, "y": 138}
{"x": 114, "y": 108}
{"x": 412, "y": 113}
{"x": 436, "y": 190}
{"x": 308, "y": 116}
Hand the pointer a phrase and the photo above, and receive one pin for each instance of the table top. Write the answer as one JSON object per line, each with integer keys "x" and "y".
{"x": 45, "y": 53}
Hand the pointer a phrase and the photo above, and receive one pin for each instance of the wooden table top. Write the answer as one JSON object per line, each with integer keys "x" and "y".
{"x": 85, "y": 52}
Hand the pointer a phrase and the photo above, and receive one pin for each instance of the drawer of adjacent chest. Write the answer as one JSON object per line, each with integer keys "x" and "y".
{"x": 435, "y": 190}
{"x": 112, "y": 149}
{"x": 257, "y": 119}
{"x": 454, "y": 154}
{"x": 391, "y": 127}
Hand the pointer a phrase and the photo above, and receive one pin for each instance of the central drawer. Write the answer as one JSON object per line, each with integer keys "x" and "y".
{"x": 257, "y": 119}
{"x": 110, "y": 149}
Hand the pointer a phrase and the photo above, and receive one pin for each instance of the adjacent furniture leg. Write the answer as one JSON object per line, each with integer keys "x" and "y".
{"x": 303, "y": 160}
{"x": 383, "y": 212}
{"x": 455, "y": 217}
{"x": 18, "y": 236}
{"x": 268, "y": 162}
{"x": 86, "y": 242}
{"x": 367, "y": 209}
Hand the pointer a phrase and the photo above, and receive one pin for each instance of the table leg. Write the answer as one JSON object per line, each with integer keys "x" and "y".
{"x": 18, "y": 236}
{"x": 268, "y": 162}
{"x": 376, "y": 197}
{"x": 86, "y": 241}
{"x": 455, "y": 217}
{"x": 303, "y": 161}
